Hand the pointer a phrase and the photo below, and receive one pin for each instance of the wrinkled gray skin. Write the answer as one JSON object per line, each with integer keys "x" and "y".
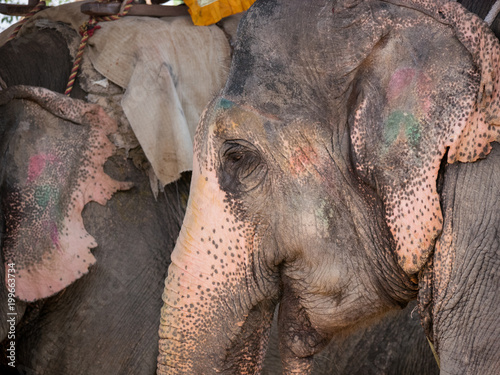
{"x": 286, "y": 206}
{"x": 466, "y": 323}
{"x": 395, "y": 345}
{"x": 113, "y": 311}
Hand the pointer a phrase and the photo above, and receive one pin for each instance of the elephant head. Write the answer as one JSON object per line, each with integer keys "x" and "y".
{"x": 314, "y": 180}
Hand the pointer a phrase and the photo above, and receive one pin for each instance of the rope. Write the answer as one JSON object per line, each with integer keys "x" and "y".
{"x": 86, "y": 31}
{"x": 124, "y": 9}
{"x": 36, "y": 9}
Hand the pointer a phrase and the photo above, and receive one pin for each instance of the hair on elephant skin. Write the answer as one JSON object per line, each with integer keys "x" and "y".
{"x": 325, "y": 180}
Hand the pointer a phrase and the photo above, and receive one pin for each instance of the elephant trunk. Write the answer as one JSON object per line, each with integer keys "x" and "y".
{"x": 215, "y": 317}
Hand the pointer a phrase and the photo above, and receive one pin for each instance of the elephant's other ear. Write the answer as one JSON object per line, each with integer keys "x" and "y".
{"x": 483, "y": 125}
{"x": 53, "y": 152}
{"x": 419, "y": 94}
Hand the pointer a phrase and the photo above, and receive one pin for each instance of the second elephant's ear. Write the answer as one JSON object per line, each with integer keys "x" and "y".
{"x": 426, "y": 89}
{"x": 53, "y": 152}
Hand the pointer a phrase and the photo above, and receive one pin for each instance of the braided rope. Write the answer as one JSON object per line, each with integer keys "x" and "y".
{"x": 86, "y": 31}
{"x": 124, "y": 9}
{"x": 36, "y": 9}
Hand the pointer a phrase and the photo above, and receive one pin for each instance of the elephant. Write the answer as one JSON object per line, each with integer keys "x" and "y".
{"x": 347, "y": 168}
{"x": 49, "y": 336}
{"x": 116, "y": 301}
{"x": 113, "y": 311}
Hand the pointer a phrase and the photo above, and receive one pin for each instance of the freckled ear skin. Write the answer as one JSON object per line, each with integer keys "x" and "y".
{"x": 419, "y": 94}
{"x": 53, "y": 152}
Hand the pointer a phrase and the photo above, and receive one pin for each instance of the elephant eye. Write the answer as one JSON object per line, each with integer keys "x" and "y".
{"x": 242, "y": 167}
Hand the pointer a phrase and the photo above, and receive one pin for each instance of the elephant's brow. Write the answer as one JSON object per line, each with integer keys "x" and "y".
{"x": 257, "y": 111}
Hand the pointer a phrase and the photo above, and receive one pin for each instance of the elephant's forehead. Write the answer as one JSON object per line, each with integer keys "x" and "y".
{"x": 238, "y": 118}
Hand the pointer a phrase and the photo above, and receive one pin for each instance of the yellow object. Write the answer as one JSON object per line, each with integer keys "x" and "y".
{"x": 207, "y": 12}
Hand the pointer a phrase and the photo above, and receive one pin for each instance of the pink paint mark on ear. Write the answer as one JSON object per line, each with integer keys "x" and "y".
{"x": 399, "y": 82}
{"x": 37, "y": 165}
{"x": 410, "y": 81}
{"x": 54, "y": 234}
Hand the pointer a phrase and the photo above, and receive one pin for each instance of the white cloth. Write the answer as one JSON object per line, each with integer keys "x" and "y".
{"x": 170, "y": 69}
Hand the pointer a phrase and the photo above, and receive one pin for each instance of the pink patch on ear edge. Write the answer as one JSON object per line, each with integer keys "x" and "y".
{"x": 482, "y": 125}
{"x": 70, "y": 258}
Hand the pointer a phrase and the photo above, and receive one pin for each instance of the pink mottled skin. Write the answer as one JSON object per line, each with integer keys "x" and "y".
{"x": 209, "y": 229}
{"x": 57, "y": 238}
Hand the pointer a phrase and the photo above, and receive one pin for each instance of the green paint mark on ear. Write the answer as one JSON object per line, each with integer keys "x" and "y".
{"x": 393, "y": 127}
{"x": 413, "y": 131}
{"x": 399, "y": 121}
{"x": 43, "y": 194}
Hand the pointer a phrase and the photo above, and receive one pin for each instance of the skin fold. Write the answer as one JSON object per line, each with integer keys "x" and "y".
{"x": 395, "y": 345}
{"x": 315, "y": 184}
{"x": 464, "y": 306}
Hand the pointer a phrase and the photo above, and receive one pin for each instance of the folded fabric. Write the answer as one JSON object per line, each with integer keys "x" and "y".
{"x": 169, "y": 68}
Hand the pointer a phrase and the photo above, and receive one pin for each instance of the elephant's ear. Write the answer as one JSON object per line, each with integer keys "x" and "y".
{"x": 53, "y": 152}
{"x": 430, "y": 86}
